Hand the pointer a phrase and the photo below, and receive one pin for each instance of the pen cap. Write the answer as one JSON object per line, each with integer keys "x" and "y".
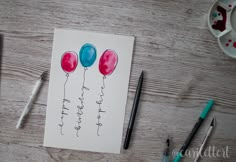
{"x": 178, "y": 157}
{"x": 207, "y": 109}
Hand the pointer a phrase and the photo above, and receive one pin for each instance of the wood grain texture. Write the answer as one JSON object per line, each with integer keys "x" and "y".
{"x": 172, "y": 45}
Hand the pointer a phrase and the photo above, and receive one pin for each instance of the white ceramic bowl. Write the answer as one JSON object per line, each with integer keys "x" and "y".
{"x": 222, "y": 24}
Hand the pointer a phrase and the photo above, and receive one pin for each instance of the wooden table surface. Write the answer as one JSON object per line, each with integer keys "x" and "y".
{"x": 173, "y": 45}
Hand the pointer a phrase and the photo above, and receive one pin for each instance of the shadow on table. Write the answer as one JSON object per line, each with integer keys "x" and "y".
{"x": 1, "y": 55}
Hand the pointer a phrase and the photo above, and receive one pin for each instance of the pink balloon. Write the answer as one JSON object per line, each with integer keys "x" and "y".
{"x": 69, "y": 61}
{"x": 108, "y": 62}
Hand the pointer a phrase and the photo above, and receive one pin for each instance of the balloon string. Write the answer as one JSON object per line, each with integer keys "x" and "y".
{"x": 81, "y": 106}
{"x": 99, "y": 102}
{"x": 63, "y": 106}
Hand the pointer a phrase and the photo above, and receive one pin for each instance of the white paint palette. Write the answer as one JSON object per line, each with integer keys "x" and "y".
{"x": 222, "y": 24}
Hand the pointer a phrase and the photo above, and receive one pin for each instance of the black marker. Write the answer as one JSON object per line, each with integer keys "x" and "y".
{"x": 134, "y": 111}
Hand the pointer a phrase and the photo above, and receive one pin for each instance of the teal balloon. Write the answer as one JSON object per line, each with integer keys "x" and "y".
{"x": 87, "y": 55}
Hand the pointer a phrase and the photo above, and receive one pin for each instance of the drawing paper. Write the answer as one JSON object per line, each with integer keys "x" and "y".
{"x": 88, "y": 89}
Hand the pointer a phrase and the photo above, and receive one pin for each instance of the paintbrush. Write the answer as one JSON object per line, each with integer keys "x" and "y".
{"x": 166, "y": 153}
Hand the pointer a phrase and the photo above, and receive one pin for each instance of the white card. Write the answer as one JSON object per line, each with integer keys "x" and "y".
{"x": 88, "y": 89}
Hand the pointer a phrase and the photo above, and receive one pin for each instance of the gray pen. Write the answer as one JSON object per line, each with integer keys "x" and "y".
{"x": 30, "y": 101}
{"x": 213, "y": 122}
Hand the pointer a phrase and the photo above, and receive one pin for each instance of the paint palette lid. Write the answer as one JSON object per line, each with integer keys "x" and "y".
{"x": 222, "y": 24}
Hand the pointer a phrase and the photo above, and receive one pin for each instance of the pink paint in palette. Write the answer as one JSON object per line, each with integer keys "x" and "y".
{"x": 222, "y": 24}
{"x": 230, "y": 44}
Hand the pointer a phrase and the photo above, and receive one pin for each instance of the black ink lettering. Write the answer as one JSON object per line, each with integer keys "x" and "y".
{"x": 99, "y": 102}
{"x": 63, "y": 106}
{"x": 81, "y": 106}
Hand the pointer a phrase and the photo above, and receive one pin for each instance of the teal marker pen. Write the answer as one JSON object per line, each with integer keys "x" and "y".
{"x": 187, "y": 142}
